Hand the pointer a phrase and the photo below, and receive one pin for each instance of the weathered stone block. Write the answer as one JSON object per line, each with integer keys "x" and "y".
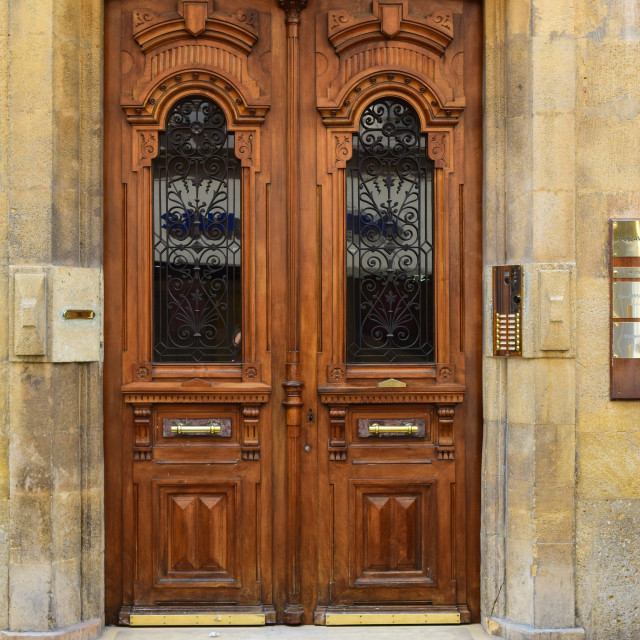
{"x": 29, "y": 596}
{"x": 521, "y": 452}
{"x": 608, "y": 465}
{"x": 521, "y": 385}
{"x": 31, "y": 468}
{"x": 554, "y": 515}
{"x": 553, "y": 225}
{"x": 608, "y": 563}
{"x": 553, "y": 88}
{"x": 554, "y": 586}
{"x": 555, "y": 391}
{"x": 67, "y": 592}
{"x": 31, "y": 535}
{"x": 519, "y": 583}
{"x": 31, "y": 398}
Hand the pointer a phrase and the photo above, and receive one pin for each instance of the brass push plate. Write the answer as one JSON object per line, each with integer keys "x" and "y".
{"x": 626, "y": 299}
{"x": 626, "y": 238}
{"x": 626, "y": 340}
{"x": 507, "y": 310}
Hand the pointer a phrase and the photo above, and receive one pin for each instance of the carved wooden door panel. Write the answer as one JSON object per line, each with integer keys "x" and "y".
{"x": 292, "y": 286}
{"x": 398, "y": 206}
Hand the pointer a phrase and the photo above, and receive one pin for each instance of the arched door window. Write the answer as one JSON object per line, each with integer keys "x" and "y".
{"x": 390, "y": 293}
{"x": 196, "y": 237}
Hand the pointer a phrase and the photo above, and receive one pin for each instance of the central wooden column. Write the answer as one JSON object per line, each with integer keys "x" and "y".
{"x": 293, "y": 612}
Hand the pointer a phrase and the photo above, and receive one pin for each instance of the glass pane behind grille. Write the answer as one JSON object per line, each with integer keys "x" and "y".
{"x": 389, "y": 238}
{"x": 196, "y": 238}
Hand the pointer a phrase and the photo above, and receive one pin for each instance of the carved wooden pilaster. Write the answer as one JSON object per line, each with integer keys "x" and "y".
{"x": 337, "y": 439}
{"x": 142, "y": 425}
{"x": 293, "y": 612}
{"x": 445, "y": 445}
{"x": 250, "y": 432}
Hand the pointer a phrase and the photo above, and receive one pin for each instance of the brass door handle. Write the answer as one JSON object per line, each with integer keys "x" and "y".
{"x": 210, "y": 429}
{"x": 404, "y": 429}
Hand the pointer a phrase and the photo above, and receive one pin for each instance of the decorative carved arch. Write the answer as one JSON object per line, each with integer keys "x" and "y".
{"x": 420, "y": 92}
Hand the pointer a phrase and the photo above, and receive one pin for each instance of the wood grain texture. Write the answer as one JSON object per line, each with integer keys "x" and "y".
{"x": 294, "y": 513}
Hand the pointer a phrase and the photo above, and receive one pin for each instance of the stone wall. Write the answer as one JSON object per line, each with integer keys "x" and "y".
{"x": 51, "y": 505}
{"x": 560, "y": 485}
{"x": 608, "y": 433}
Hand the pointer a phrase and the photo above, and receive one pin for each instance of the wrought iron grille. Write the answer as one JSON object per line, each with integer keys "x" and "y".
{"x": 196, "y": 237}
{"x": 390, "y": 297}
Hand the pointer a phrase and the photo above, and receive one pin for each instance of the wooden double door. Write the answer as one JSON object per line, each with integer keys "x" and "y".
{"x": 292, "y": 317}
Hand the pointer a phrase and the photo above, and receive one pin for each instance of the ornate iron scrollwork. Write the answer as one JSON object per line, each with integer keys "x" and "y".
{"x": 197, "y": 233}
{"x": 389, "y": 238}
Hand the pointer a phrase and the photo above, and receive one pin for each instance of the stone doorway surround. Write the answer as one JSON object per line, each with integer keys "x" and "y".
{"x": 548, "y": 191}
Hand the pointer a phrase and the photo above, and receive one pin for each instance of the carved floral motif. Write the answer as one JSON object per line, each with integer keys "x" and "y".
{"x": 437, "y": 148}
{"x": 148, "y": 147}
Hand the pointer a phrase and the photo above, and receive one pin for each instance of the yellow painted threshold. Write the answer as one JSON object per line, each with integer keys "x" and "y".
{"x": 197, "y": 620}
{"x": 344, "y": 619}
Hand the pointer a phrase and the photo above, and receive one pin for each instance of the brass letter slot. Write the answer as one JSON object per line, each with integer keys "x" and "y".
{"x": 185, "y": 429}
{"x": 401, "y": 429}
{"x": 79, "y": 314}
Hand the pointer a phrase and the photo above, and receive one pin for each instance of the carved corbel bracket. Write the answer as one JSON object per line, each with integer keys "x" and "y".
{"x": 146, "y": 147}
{"x": 247, "y": 147}
{"x": 438, "y": 148}
{"x": 340, "y": 148}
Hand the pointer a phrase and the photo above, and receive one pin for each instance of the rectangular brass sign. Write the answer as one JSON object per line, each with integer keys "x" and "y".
{"x": 626, "y": 339}
{"x": 626, "y": 238}
{"x": 626, "y": 272}
{"x": 626, "y": 299}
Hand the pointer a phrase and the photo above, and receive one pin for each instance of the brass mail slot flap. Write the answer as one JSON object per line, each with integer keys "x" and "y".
{"x": 350, "y": 619}
{"x": 173, "y": 427}
{"x": 391, "y": 427}
{"x": 197, "y": 620}
{"x": 79, "y": 314}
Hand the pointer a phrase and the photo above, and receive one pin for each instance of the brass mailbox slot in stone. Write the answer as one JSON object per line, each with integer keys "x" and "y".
{"x": 79, "y": 314}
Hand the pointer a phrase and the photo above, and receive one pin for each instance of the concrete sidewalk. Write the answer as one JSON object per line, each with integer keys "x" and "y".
{"x": 417, "y": 632}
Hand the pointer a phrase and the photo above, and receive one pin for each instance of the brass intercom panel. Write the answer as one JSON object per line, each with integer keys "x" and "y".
{"x": 507, "y": 310}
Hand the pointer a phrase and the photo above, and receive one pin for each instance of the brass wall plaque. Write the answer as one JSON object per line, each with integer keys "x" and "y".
{"x": 626, "y": 272}
{"x": 626, "y": 339}
{"x": 626, "y": 238}
{"x": 626, "y": 299}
